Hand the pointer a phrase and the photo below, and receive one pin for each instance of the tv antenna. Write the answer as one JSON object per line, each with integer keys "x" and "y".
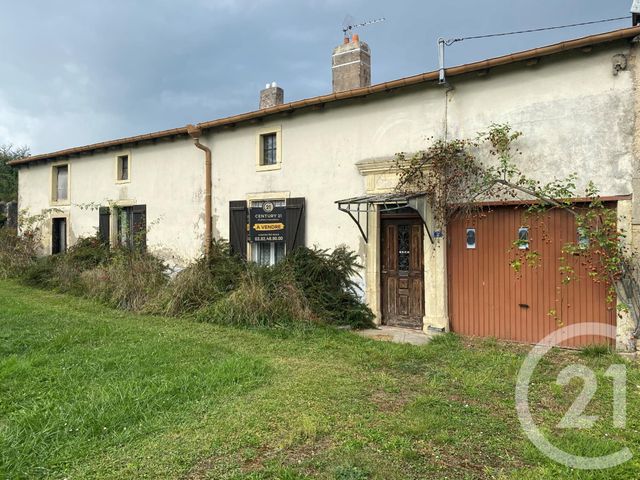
{"x": 349, "y": 24}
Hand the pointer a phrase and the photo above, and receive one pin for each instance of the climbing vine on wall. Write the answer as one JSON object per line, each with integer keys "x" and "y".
{"x": 456, "y": 175}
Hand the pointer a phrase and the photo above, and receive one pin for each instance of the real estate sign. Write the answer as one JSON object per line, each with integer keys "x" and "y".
{"x": 266, "y": 223}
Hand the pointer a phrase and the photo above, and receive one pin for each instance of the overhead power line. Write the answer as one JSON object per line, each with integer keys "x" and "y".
{"x": 533, "y": 30}
{"x": 443, "y": 42}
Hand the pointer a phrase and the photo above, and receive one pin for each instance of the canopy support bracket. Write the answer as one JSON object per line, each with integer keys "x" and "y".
{"x": 388, "y": 202}
{"x": 363, "y": 231}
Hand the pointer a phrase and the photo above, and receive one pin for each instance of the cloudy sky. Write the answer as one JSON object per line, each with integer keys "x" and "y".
{"x": 74, "y": 72}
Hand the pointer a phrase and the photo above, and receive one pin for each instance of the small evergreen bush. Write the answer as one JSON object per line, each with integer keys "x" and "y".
{"x": 327, "y": 281}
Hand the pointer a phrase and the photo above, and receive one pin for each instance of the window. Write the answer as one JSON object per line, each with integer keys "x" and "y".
{"x": 243, "y": 228}
{"x": 269, "y": 149}
{"x": 404, "y": 245}
{"x": 60, "y": 183}
{"x": 471, "y": 238}
{"x": 523, "y": 238}
{"x": 131, "y": 226}
{"x": 268, "y": 253}
{"x": 58, "y": 235}
{"x": 122, "y": 167}
{"x": 125, "y": 220}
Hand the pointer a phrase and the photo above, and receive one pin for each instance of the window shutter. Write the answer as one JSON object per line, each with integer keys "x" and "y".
{"x": 295, "y": 223}
{"x": 238, "y": 228}
{"x": 139, "y": 229}
{"x": 104, "y": 225}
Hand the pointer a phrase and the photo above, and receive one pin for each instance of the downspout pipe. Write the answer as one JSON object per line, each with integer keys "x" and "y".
{"x": 195, "y": 133}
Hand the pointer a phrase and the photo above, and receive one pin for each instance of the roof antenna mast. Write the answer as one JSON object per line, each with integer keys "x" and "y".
{"x": 349, "y": 24}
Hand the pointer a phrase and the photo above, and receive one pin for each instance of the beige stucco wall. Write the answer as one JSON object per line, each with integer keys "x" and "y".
{"x": 575, "y": 114}
{"x": 319, "y": 154}
{"x": 167, "y": 177}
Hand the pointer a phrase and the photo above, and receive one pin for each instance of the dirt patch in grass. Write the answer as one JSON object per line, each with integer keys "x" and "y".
{"x": 475, "y": 463}
{"x": 392, "y": 402}
{"x": 203, "y": 467}
{"x": 298, "y": 455}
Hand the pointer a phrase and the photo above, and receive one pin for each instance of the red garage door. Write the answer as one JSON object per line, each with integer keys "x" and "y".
{"x": 488, "y": 298}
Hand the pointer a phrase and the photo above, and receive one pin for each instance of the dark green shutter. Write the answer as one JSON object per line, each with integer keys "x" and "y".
{"x": 104, "y": 225}
{"x": 295, "y": 223}
{"x": 139, "y": 230}
{"x": 238, "y": 228}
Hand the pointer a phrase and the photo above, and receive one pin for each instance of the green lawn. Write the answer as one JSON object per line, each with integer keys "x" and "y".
{"x": 89, "y": 392}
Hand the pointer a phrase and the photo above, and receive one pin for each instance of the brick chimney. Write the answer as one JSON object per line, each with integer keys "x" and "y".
{"x": 351, "y": 65}
{"x": 271, "y": 96}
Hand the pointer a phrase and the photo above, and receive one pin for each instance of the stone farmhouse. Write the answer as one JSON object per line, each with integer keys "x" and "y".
{"x": 300, "y": 173}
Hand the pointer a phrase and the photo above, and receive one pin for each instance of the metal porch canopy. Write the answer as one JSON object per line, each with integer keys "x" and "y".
{"x": 386, "y": 202}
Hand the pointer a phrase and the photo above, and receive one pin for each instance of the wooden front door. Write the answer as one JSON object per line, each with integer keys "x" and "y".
{"x": 402, "y": 272}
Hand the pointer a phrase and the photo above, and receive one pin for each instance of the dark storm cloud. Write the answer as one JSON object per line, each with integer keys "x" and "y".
{"x": 76, "y": 72}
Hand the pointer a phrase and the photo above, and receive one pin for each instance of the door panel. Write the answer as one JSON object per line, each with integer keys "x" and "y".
{"x": 402, "y": 273}
{"x": 488, "y": 298}
{"x": 58, "y": 235}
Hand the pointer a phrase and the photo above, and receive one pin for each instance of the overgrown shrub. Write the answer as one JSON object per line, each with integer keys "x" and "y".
{"x": 41, "y": 272}
{"x": 309, "y": 285}
{"x": 327, "y": 282}
{"x": 17, "y": 252}
{"x": 121, "y": 278}
{"x": 265, "y": 297}
{"x": 203, "y": 283}
{"x": 62, "y": 272}
{"x": 88, "y": 253}
{"x": 128, "y": 281}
